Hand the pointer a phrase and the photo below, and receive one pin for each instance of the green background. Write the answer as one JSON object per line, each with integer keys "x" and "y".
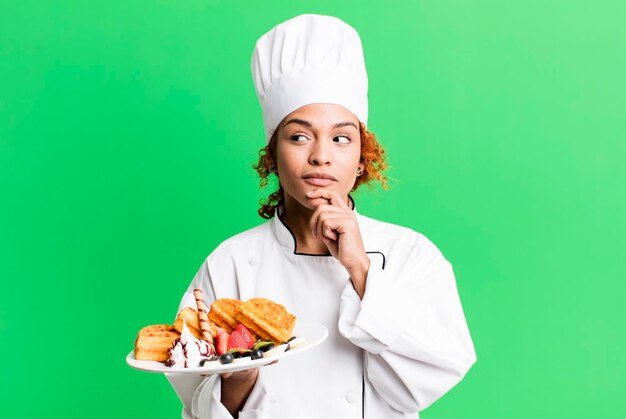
{"x": 127, "y": 135}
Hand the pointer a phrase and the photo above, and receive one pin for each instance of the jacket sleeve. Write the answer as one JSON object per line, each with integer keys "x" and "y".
{"x": 410, "y": 324}
{"x": 201, "y": 395}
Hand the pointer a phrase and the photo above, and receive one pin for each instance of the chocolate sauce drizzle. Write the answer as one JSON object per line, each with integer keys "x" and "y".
{"x": 170, "y": 359}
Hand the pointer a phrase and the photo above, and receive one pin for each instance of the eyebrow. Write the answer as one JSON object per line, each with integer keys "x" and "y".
{"x": 309, "y": 125}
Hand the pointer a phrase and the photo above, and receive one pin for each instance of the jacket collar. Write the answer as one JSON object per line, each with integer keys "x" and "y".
{"x": 285, "y": 236}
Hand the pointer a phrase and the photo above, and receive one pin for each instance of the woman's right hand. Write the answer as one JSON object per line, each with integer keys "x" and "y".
{"x": 236, "y": 387}
{"x": 241, "y": 375}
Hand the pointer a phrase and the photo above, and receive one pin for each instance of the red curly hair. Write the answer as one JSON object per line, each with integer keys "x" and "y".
{"x": 372, "y": 158}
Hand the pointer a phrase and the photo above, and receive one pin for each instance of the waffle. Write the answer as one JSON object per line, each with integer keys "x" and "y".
{"x": 153, "y": 342}
{"x": 223, "y": 312}
{"x": 267, "y": 319}
{"x": 190, "y": 316}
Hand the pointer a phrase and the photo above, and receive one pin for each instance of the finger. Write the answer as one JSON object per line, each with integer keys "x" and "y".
{"x": 322, "y": 223}
{"x": 319, "y": 211}
{"x": 316, "y": 215}
{"x": 226, "y": 374}
{"x": 332, "y": 197}
{"x": 317, "y": 193}
{"x": 329, "y": 234}
{"x": 330, "y": 226}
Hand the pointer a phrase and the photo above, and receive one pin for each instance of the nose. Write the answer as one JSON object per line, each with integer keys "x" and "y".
{"x": 321, "y": 152}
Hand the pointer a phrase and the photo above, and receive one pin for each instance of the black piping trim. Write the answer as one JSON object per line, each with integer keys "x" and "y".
{"x": 293, "y": 236}
{"x": 383, "y": 255}
{"x": 363, "y": 397}
{"x": 294, "y": 241}
{"x": 352, "y": 200}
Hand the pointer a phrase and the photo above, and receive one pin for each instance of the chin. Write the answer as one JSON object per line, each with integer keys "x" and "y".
{"x": 304, "y": 202}
{"x": 300, "y": 197}
{"x": 313, "y": 203}
{"x": 309, "y": 203}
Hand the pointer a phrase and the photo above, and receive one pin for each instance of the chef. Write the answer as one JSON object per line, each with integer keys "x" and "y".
{"x": 398, "y": 339}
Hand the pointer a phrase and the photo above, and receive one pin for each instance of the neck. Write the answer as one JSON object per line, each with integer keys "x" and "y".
{"x": 297, "y": 218}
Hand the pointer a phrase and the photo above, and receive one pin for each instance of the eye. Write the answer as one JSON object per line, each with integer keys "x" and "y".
{"x": 298, "y": 138}
{"x": 342, "y": 139}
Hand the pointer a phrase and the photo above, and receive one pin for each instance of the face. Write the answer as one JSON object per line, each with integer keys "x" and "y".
{"x": 318, "y": 146}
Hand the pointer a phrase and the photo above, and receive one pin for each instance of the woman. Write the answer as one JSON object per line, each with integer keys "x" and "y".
{"x": 398, "y": 339}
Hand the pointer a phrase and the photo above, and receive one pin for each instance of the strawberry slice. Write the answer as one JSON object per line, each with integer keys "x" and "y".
{"x": 222, "y": 341}
{"x": 241, "y": 338}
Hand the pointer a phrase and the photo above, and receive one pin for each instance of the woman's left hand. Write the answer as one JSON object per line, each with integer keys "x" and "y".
{"x": 336, "y": 224}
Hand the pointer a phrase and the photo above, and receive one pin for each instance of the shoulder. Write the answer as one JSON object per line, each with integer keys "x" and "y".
{"x": 382, "y": 229}
{"x": 240, "y": 243}
{"x": 391, "y": 236}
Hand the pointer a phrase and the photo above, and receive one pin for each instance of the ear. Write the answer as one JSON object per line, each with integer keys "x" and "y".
{"x": 361, "y": 167}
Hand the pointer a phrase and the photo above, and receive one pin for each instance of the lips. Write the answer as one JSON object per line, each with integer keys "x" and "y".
{"x": 319, "y": 179}
{"x": 319, "y": 175}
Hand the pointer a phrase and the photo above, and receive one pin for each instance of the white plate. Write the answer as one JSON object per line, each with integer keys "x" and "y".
{"x": 314, "y": 334}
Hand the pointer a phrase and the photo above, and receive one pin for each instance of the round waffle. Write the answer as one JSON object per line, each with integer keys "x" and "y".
{"x": 153, "y": 342}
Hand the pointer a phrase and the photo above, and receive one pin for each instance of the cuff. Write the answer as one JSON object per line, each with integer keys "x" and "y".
{"x": 349, "y": 308}
{"x": 378, "y": 320}
{"x": 386, "y": 306}
{"x": 207, "y": 400}
{"x": 257, "y": 405}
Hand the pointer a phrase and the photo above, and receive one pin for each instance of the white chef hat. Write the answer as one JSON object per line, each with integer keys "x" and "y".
{"x": 309, "y": 59}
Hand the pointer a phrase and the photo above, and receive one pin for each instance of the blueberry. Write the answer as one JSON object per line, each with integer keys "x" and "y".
{"x": 239, "y": 353}
{"x": 226, "y": 358}
{"x": 256, "y": 354}
{"x": 263, "y": 344}
{"x": 267, "y": 347}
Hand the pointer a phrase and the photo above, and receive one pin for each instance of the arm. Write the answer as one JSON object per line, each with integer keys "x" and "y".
{"x": 409, "y": 322}
{"x": 240, "y": 395}
{"x": 236, "y": 389}
{"x": 411, "y": 325}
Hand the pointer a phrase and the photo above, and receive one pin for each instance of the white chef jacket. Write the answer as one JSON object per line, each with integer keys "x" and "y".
{"x": 390, "y": 355}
